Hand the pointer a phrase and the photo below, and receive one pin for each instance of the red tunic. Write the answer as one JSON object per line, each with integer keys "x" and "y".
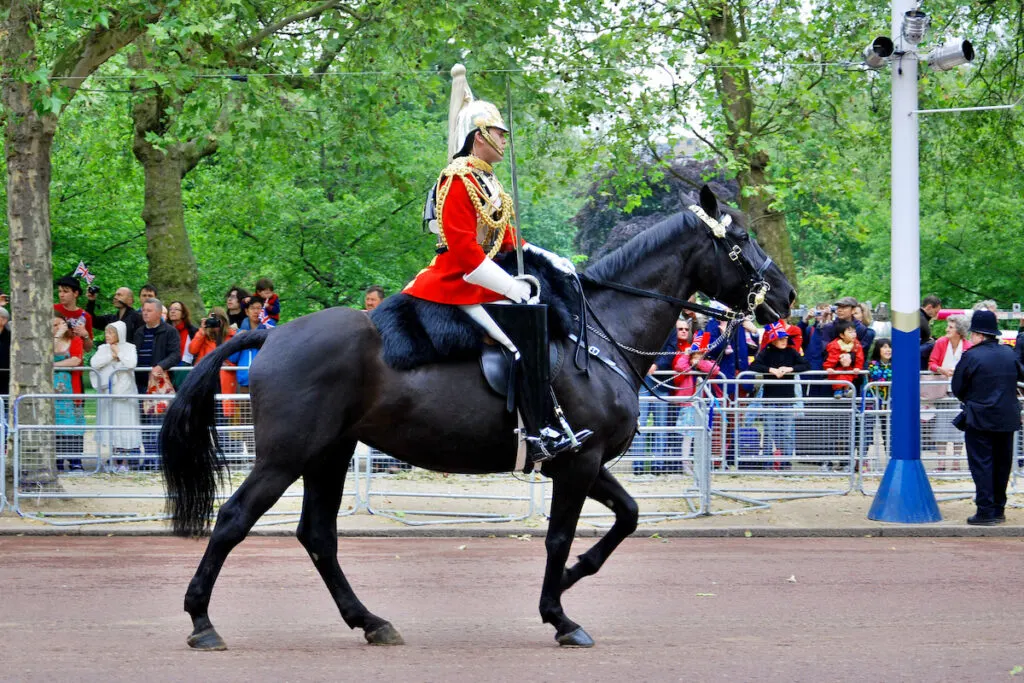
{"x": 441, "y": 281}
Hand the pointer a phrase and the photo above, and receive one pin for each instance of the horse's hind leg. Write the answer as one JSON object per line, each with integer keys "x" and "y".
{"x": 571, "y": 486}
{"x": 609, "y": 492}
{"x": 260, "y": 490}
{"x": 324, "y": 481}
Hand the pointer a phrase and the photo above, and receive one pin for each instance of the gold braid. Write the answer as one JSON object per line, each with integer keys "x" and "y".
{"x": 496, "y": 227}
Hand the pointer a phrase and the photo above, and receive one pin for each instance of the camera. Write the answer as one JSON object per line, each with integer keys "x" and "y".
{"x": 93, "y": 289}
{"x": 212, "y": 322}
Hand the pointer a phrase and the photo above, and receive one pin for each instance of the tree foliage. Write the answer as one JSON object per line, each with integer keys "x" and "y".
{"x": 317, "y": 181}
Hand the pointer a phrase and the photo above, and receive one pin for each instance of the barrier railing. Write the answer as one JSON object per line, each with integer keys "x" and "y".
{"x": 756, "y": 451}
{"x": 796, "y": 447}
{"x": 666, "y": 467}
{"x": 943, "y": 452}
{"x": 97, "y": 462}
{"x": 3, "y": 451}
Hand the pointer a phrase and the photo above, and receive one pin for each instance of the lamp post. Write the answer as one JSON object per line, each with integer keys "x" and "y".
{"x": 905, "y": 494}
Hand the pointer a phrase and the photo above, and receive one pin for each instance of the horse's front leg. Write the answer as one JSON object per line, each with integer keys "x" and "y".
{"x": 572, "y": 480}
{"x": 609, "y": 492}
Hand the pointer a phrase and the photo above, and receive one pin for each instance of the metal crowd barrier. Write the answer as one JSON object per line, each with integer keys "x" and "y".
{"x": 726, "y": 450}
{"x": 468, "y": 498}
{"x": 943, "y": 452}
{"x": 666, "y": 466}
{"x": 71, "y": 472}
{"x": 3, "y": 451}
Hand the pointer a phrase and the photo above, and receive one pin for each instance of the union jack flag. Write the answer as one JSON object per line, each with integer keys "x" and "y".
{"x": 776, "y": 330}
{"x": 83, "y": 271}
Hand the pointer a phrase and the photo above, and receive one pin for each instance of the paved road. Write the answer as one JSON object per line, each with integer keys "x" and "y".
{"x": 866, "y": 609}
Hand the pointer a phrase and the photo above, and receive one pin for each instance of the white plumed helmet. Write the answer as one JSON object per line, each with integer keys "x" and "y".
{"x": 466, "y": 115}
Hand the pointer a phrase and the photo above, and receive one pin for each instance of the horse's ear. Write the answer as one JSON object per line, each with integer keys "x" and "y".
{"x": 708, "y": 201}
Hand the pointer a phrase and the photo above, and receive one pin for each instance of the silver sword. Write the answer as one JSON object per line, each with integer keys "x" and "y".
{"x": 515, "y": 178}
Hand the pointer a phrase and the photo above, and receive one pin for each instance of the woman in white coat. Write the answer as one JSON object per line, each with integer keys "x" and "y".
{"x": 114, "y": 364}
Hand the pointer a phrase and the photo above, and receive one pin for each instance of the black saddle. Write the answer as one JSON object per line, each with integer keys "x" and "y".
{"x": 496, "y": 364}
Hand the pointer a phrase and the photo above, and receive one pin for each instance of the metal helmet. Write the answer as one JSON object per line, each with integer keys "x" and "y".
{"x": 466, "y": 115}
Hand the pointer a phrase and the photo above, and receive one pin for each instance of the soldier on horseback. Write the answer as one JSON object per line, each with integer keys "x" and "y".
{"x": 472, "y": 216}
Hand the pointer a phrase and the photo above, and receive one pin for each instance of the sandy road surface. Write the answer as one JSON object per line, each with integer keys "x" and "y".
{"x": 865, "y": 609}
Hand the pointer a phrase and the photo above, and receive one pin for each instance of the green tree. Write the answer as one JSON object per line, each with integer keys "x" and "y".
{"x": 46, "y": 53}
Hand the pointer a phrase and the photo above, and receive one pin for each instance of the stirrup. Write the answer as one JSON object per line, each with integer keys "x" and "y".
{"x": 551, "y": 443}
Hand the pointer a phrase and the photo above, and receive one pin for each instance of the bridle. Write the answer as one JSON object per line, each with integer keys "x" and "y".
{"x": 757, "y": 286}
{"x": 757, "y": 291}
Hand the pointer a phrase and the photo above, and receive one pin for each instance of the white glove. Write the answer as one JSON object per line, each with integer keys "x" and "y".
{"x": 520, "y": 292}
{"x": 489, "y": 275}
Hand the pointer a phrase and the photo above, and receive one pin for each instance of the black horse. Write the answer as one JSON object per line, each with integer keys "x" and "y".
{"x": 319, "y": 385}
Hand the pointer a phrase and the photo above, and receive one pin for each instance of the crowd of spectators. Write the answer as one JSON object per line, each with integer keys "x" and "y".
{"x": 144, "y": 352}
{"x": 831, "y": 341}
{"x": 836, "y": 350}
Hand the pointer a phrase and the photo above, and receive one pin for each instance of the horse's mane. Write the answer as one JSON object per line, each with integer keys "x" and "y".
{"x": 648, "y": 242}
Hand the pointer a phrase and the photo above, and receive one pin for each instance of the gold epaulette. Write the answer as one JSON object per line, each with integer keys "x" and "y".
{"x": 496, "y": 219}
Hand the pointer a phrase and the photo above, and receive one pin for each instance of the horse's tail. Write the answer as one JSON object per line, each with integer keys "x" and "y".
{"x": 192, "y": 460}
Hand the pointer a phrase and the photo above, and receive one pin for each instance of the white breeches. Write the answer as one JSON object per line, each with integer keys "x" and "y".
{"x": 481, "y": 318}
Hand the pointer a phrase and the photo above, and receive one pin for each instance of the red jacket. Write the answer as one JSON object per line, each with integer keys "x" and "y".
{"x": 939, "y": 352}
{"x": 832, "y": 361}
{"x": 441, "y": 281}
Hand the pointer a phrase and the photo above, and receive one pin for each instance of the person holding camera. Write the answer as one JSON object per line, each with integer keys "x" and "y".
{"x": 124, "y": 305}
{"x": 213, "y": 331}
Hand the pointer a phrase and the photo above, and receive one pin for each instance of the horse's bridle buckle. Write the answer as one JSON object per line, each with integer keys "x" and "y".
{"x": 735, "y": 253}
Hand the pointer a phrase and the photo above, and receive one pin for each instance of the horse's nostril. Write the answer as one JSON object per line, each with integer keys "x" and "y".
{"x": 792, "y": 297}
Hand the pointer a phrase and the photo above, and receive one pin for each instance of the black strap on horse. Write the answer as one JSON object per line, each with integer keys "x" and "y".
{"x": 688, "y": 305}
{"x": 583, "y": 347}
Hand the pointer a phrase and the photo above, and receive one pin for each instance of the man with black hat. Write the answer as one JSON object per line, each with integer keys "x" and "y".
{"x": 844, "y": 311}
{"x": 985, "y": 381}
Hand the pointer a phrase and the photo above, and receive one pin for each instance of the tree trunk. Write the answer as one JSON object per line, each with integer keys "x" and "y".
{"x": 724, "y": 25}
{"x": 28, "y": 141}
{"x": 172, "y": 265}
{"x": 769, "y": 225}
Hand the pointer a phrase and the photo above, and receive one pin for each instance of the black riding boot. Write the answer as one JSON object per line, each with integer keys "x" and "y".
{"x": 526, "y": 325}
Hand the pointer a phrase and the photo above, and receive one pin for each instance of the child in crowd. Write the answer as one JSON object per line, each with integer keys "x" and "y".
{"x": 880, "y": 367}
{"x": 68, "y": 353}
{"x": 879, "y": 370}
{"x": 844, "y": 357}
{"x": 781, "y": 361}
{"x": 271, "y": 302}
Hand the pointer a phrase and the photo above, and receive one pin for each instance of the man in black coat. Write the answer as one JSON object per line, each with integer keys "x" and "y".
{"x": 985, "y": 381}
{"x": 158, "y": 346}
{"x": 124, "y": 302}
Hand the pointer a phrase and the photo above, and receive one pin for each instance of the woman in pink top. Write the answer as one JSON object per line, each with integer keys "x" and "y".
{"x": 948, "y": 349}
{"x": 690, "y": 361}
{"x": 942, "y": 361}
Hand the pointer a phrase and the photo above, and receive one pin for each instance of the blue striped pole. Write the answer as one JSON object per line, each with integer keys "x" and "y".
{"x": 905, "y": 494}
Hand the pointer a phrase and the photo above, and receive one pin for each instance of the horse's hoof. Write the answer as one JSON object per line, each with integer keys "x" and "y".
{"x": 577, "y": 638}
{"x": 384, "y": 635}
{"x": 207, "y": 639}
